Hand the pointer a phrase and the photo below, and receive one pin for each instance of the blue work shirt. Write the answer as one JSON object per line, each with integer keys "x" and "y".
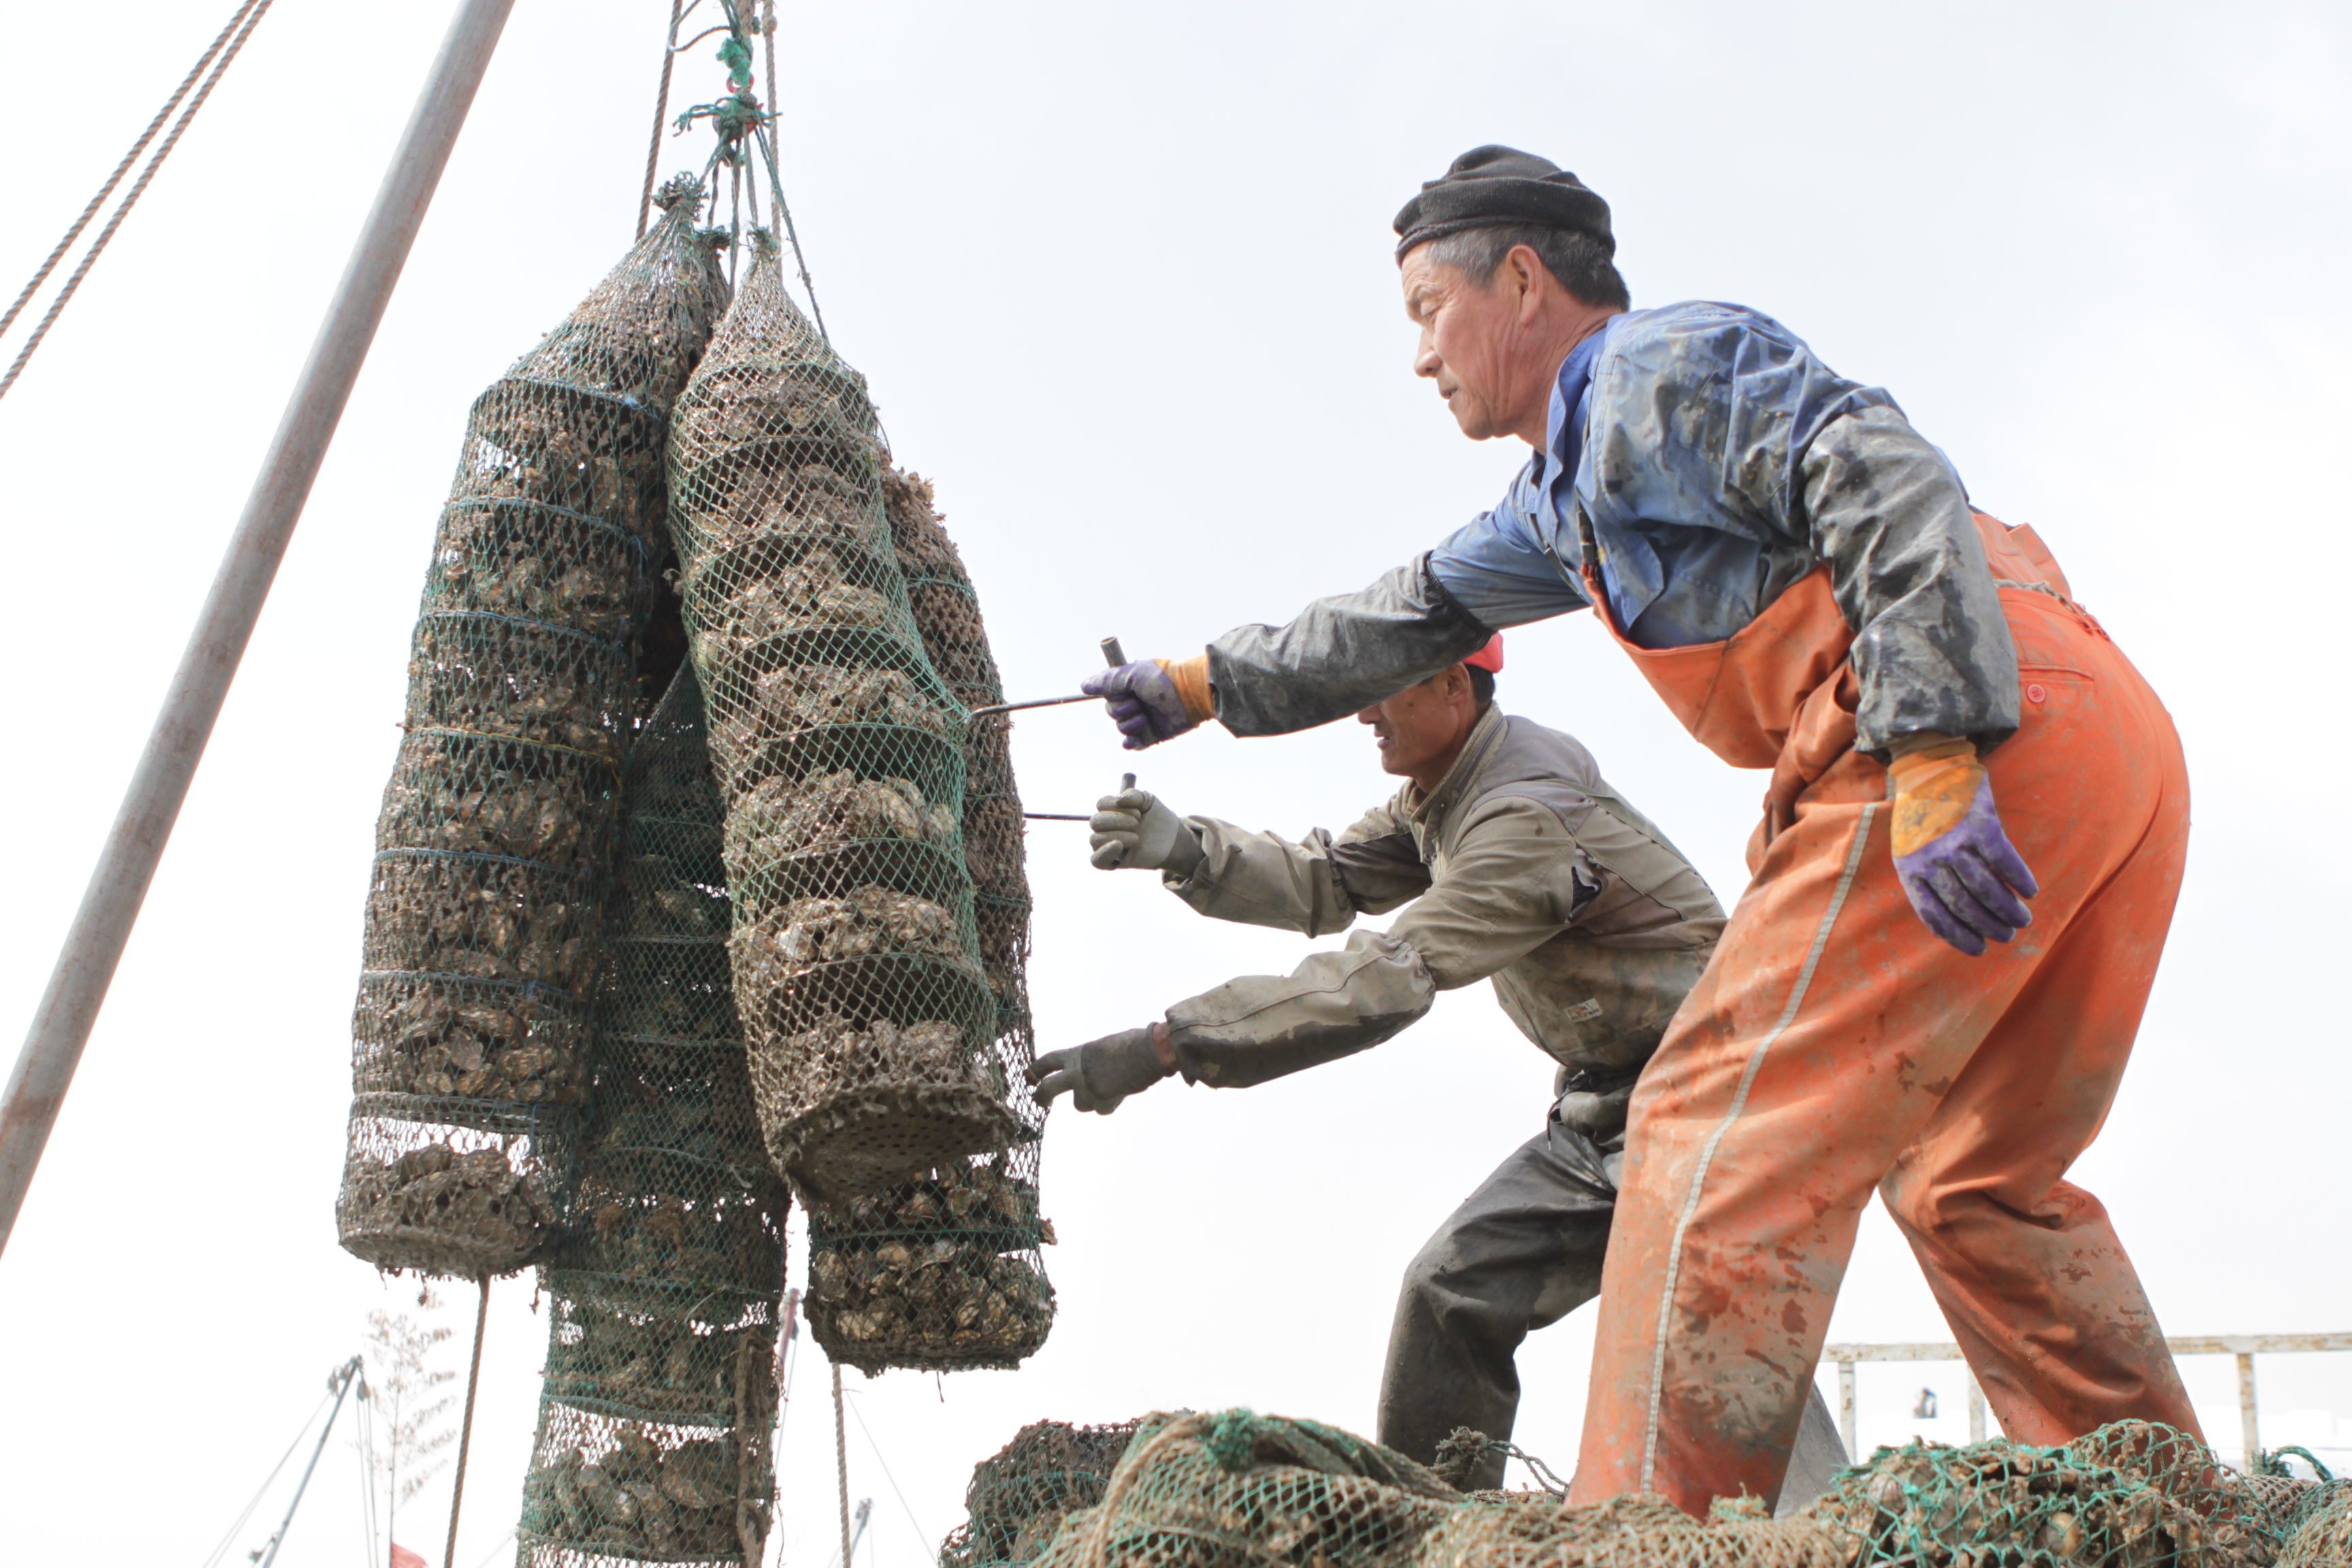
{"x": 1716, "y": 461}
{"x": 1687, "y": 554}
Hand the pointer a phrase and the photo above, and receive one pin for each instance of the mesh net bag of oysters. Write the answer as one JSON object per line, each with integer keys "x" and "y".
{"x": 944, "y": 1271}
{"x": 658, "y": 1393}
{"x": 495, "y": 842}
{"x": 1232, "y": 1488}
{"x": 876, "y": 1051}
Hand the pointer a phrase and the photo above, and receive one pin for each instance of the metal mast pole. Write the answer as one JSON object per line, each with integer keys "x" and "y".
{"x": 109, "y": 906}
{"x": 349, "y": 1373}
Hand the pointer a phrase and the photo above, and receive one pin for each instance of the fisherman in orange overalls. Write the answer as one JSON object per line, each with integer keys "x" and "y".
{"x": 1801, "y": 576}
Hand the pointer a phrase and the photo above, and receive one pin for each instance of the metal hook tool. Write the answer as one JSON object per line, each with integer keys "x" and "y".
{"x": 1113, "y": 655}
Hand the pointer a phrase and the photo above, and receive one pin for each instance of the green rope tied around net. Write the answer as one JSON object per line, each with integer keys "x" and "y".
{"x": 734, "y": 117}
{"x": 1232, "y": 1439}
{"x": 2272, "y": 1461}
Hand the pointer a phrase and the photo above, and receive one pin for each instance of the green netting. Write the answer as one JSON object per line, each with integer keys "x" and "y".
{"x": 944, "y": 1272}
{"x": 1018, "y": 1499}
{"x": 2322, "y": 1536}
{"x": 1639, "y": 1531}
{"x": 1230, "y": 1490}
{"x": 941, "y": 1272}
{"x": 495, "y": 839}
{"x": 2132, "y": 1493}
{"x": 995, "y": 847}
{"x": 658, "y": 1393}
{"x": 856, "y": 958}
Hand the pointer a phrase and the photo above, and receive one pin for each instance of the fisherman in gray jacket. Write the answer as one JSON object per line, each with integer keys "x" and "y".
{"x": 1513, "y": 861}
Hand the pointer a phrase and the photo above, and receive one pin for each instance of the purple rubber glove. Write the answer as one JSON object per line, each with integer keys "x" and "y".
{"x": 1963, "y": 876}
{"x": 1143, "y": 701}
{"x": 1101, "y": 1073}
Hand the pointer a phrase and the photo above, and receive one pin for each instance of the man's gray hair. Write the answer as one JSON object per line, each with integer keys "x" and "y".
{"x": 1579, "y": 261}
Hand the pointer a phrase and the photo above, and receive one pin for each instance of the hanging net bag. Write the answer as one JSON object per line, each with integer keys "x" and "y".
{"x": 840, "y": 754}
{"x": 659, "y": 1391}
{"x": 495, "y": 842}
{"x": 945, "y": 1272}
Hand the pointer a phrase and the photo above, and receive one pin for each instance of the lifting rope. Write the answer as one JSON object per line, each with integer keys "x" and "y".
{"x": 740, "y": 116}
{"x": 216, "y": 59}
{"x": 661, "y": 110}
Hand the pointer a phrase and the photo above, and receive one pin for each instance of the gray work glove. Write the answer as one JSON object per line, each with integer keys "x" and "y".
{"x": 1134, "y": 830}
{"x": 1100, "y": 1073}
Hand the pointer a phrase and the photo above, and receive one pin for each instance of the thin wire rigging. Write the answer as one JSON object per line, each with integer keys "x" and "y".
{"x": 252, "y": 14}
{"x": 920, "y": 1533}
{"x": 50, "y": 263}
{"x": 661, "y": 112}
{"x": 212, "y": 1557}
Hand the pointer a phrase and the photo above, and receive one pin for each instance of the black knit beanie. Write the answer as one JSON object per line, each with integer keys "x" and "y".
{"x": 1493, "y": 185}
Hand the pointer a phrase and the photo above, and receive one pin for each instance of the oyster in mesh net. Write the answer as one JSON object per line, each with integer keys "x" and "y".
{"x": 485, "y": 920}
{"x": 661, "y": 904}
{"x": 519, "y": 561}
{"x": 833, "y": 1050}
{"x": 421, "y": 1039}
{"x": 872, "y": 920}
{"x": 780, "y": 816}
{"x": 445, "y": 794}
{"x": 515, "y": 679}
{"x": 757, "y": 403}
{"x": 815, "y": 591}
{"x": 702, "y": 1238}
{"x": 639, "y": 1498}
{"x": 773, "y": 495}
{"x": 978, "y": 1197}
{"x": 800, "y": 697}
{"x": 917, "y": 533}
{"x": 540, "y": 441}
{"x": 942, "y": 1300}
{"x": 474, "y": 1200}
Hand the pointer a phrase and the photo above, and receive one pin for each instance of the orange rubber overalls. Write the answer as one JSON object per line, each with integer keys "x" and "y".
{"x": 1835, "y": 1045}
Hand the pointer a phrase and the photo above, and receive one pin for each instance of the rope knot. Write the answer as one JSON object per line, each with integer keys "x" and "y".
{"x": 680, "y": 188}
{"x": 1231, "y": 1439}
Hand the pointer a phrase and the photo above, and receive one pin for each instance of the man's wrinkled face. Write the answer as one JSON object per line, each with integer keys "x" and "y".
{"x": 1474, "y": 344}
{"x": 1416, "y": 729}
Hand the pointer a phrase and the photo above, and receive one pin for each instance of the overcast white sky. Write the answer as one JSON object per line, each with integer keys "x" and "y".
{"x": 1120, "y": 278}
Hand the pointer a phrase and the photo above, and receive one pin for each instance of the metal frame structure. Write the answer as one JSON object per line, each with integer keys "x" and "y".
{"x": 2245, "y": 1347}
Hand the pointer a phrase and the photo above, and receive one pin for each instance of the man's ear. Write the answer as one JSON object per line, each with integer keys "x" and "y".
{"x": 1527, "y": 273}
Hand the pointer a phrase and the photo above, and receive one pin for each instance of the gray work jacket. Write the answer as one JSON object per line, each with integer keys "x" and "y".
{"x": 1523, "y": 866}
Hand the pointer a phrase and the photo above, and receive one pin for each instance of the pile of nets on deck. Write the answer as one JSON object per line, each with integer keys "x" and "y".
{"x": 495, "y": 846}
{"x": 1233, "y": 1489}
{"x": 659, "y": 1391}
{"x": 1018, "y": 1499}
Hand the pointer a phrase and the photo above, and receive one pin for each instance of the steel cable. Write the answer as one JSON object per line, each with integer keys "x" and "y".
{"x": 212, "y": 1557}
{"x": 81, "y": 270}
{"x": 661, "y": 110}
{"x": 50, "y": 265}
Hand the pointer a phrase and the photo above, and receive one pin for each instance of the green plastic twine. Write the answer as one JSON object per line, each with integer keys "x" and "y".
{"x": 1232, "y": 1438}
